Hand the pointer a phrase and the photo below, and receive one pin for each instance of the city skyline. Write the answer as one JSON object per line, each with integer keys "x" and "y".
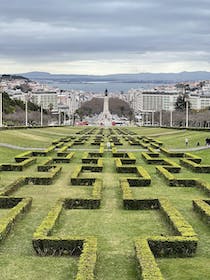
{"x": 104, "y": 37}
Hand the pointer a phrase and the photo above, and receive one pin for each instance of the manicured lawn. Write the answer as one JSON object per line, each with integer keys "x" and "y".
{"x": 115, "y": 228}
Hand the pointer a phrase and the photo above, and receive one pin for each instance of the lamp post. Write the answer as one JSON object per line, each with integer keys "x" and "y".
{"x": 26, "y": 110}
{"x": 186, "y": 99}
{"x": 1, "y": 108}
{"x": 171, "y": 115}
{"x": 59, "y": 117}
{"x": 171, "y": 118}
{"x": 153, "y": 117}
{"x": 161, "y": 117}
{"x": 41, "y": 108}
{"x": 69, "y": 113}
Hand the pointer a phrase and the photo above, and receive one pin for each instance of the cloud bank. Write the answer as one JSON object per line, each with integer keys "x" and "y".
{"x": 121, "y": 36}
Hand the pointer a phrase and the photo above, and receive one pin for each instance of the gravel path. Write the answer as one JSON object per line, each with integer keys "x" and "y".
{"x": 89, "y": 149}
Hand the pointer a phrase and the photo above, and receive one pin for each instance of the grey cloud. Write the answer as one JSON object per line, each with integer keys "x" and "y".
{"x": 49, "y": 29}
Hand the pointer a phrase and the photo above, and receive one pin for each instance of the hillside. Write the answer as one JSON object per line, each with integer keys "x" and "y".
{"x": 124, "y": 78}
{"x": 14, "y": 112}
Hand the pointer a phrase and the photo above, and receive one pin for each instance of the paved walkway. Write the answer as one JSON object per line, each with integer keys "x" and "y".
{"x": 91, "y": 149}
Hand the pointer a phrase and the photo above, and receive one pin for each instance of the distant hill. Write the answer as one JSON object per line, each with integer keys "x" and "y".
{"x": 9, "y": 77}
{"x": 126, "y": 78}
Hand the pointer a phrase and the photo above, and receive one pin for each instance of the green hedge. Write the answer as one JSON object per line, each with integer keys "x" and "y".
{"x": 147, "y": 266}
{"x": 64, "y": 157}
{"x": 14, "y": 186}
{"x": 87, "y": 260}
{"x": 203, "y": 209}
{"x": 45, "y": 180}
{"x": 173, "y": 246}
{"x": 192, "y": 157}
{"x": 18, "y": 207}
{"x": 149, "y": 159}
{"x": 171, "y": 154}
{"x": 20, "y": 166}
{"x": 198, "y": 168}
{"x": 45, "y": 152}
{"x": 23, "y": 156}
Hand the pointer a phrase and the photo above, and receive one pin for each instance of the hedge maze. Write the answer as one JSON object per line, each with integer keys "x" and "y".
{"x": 100, "y": 182}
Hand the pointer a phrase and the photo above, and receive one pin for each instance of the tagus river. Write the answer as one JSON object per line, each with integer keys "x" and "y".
{"x": 100, "y": 86}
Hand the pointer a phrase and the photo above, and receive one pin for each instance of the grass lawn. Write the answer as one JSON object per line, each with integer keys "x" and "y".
{"x": 115, "y": 228}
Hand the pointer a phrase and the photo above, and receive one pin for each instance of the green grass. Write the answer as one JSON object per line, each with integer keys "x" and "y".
{"x": 114, "y": 227}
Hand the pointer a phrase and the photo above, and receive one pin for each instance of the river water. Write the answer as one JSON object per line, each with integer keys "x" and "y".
{"x": 98, "y": 87}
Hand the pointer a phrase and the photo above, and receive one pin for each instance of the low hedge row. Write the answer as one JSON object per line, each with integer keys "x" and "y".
{"x": 75, "y": 180}
{"x": 131, "y": 159}
{"x": 94, "y": 168}
{"x": 87, "y": 159}
{"x": 20, "y": 166}
{"x": 146, "y": 264}
{"x": 195, "y": 167}
{"x": 170, "y": 153}
{"x": 150, "y": 159}
{"x": 64, "y": 157}
{"x": 46, "y": 165}
{"x": 144, "y": 145}
{"x": 183, "y": 182}
{"x": 18, "y": 207}
{"x": 23, "y": 156}
{"x": 145, "y": 177}
{"x": 202, "y": 207}
{"x": 86, "y": 248}
{"x": 45, "y": 180}
{"x": 87, "y": 260}
{"x": 154, "y": 153}
{"x": 124, "y": 168}
{"x": 171, "y": 166}
{"x": 154, "y": 145}
{"x": 172, "y": 180}
{"x": 176, "y": 220}
{"x": 192, "y": 157}
{"x": 92, "y": 202}
{"x": 59, "y": 145}
{"x": 173, "y": 246}
{"x": 126, "y": 191}
{"x": 117, "y": 154}
{"x": 45, "y": 152}
{"x": 14, "y": 186}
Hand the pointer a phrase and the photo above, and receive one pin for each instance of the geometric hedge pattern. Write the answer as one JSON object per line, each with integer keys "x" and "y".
{"x": 89, "y": 172}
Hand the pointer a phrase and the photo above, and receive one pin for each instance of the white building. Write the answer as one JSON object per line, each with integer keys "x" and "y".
{"x": 46, "y": 99}
{"x": 145, "y": 101}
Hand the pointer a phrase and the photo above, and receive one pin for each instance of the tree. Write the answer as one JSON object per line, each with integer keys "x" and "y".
{"x": 180, "y": 104}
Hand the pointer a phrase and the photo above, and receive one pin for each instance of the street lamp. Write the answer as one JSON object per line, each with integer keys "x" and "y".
{"x": 153, "y": 117}
{"x": 186, "y": 99}
{"x": 26, "y": 110}
{"x": 69, "y": 113}
{"x": 41, "y": 108}
{"x": 171, "y": 115}
{"x": 161, "y": 117}
{"x": 1, "y": 108}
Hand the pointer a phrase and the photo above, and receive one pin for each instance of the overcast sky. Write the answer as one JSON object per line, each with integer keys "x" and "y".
{"x": 104, "y": 36}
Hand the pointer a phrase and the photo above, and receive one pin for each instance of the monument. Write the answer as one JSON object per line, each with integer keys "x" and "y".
{"x": 105, "y": 118}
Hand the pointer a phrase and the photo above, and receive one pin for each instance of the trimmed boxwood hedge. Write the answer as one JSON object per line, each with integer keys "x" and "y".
{"x": 14, "y": 186}
{"x": 146, "y": 264}
{"x": 45, "y": 180}
{"x": 23, "y": 156}
{"x": 18, "y": 206}
{"x": 202, "y": 207}
{"x": 196, "y": 167}
{"x": 20, "y": 166}
{"x": 171, "y": 154}
{"x": 85, "y": 247}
